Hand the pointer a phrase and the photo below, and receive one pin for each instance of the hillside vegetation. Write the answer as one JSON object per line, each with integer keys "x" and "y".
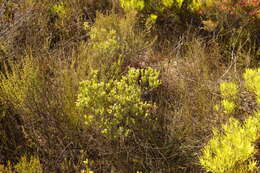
{"x": 129, "y": 86}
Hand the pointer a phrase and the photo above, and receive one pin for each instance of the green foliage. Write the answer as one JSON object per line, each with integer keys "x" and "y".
{"x": 6, "y": 169}
{"x": 43, "y": 107}
{"x": 115, "y": 106}
{"x": 231, "y": 149}
{"x": 169, "y": 3}
{"x": 26, "y": 165}
{"x": 252, "y": 82}
{"x": 132, "y": 4}
{"x": 252, "y": 79}
{"x": 16, "y": 84}
{"x": 59, "y": 10}
{"x": 192, "y": 5}
{"x": 114, "y": 41}
{"x": 228, "y": 106}
{"x": 228, "y": 90}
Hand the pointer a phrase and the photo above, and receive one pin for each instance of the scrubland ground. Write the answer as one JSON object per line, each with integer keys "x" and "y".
{"x": 129, "y": 86}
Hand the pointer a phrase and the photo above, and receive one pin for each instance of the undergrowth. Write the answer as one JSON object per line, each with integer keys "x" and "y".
{"x": 129, "y": 86}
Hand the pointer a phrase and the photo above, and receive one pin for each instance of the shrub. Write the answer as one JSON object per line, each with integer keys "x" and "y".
{"x": 252, "y": 82}
{"x": 228, "y": 90}
{"x": 25, "y": 164}
{"x": 6, "y": 169}
{"x": 16, "y": 83}
{"x": 228, "y": 106}
{"x": 234, "y": 25}
{"x": 31, "y": 164}
{"x": 115, "y": 106}
{"x": 232, "y": 148}
{"x": 252, "y": 79}
{"x": 59, "y": 10}
{"x": 159, "y": 5}
{"x": 115, "y": 42}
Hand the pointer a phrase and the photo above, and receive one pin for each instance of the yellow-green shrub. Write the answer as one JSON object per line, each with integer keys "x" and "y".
{"x": 252, "y": 82}
{"x": 59, "y": 10}
{"x": 228, "y": 106}
{"x": 16, "y": 84}
{"x": 114, "y": 41}
{"x": 25, "y": 165}
{"x": 6, "y": 169}
{"x": 31, "y": 164}
{"x": 115, "y": 106}
{"x": 159, "y": 5}
{"x": 231, "y": 149}
{"x": 228, "y": 91}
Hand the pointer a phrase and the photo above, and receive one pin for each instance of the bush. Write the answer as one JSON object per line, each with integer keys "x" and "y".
{"x": 228, "y": 91}
{"x": 115, "y": 106}
{"x": 114, "y": 43}
{"x": 25, "y": 164}
{"x": 232, "y": 149}
{"x": 16, "y": 83}
{"x": 31, "y": 164}
{"x": 234, "y": 24}
{"x": 252, "y": 82}
{"x": 88, "y": 89}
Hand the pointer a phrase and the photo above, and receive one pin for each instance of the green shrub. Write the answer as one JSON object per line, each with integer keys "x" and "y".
{"x": 115, "y": 106}
{"x": 252, "y": 82}
{"x": 59, "y": 10}
{"x": 228, "y": 106}
{"x": 159, "y": 5}
{"x": 114, "y": 42}
{"x": 231, "y": 149}
{"x": 16, "y": 83}
{"x": 6, "y": 169}
{"x": 26, "y": 165}
{"x": 228, "y": 90}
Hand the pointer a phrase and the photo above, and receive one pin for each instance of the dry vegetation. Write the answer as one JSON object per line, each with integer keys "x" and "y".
{"x": 128, "y": 86}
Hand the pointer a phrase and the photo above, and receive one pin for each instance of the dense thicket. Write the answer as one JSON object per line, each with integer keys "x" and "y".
{"x": 129, "y": 86}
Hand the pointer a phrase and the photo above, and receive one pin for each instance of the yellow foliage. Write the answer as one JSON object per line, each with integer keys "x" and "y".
{"x": 16, "y": 84}
{"x": 114, "y": 106}
{"x": 231, "y": 149}
{"x": 228, "y": 90}
{"x": 228, "y": 106}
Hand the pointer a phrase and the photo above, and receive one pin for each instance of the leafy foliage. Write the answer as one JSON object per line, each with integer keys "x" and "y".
{"x": 232, "y": 149}
{"x": 252, "y": 82}
{"x": 16, "y": 85}
{"x": 31, "y": 164}
{"x": 114, "y": 42}
{"x": 228, "y": 90}
{"x": 116, "y": 105}
{"x": 25, "y": 164}
{"x": 78, "y": 82}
